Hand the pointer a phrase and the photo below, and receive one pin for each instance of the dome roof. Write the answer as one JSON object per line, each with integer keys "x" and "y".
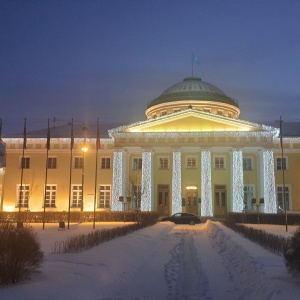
{"x": 192, "y": 88}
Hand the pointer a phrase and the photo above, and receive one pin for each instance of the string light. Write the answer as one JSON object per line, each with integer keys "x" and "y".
{"x": 117, "y": 191}
{"x": 269, "y": 183}
{"x": 206, "y": 192}
{"x": 146, "y": 181}
{"x": 237, "y": 182}
{"x": 176, "y": 183}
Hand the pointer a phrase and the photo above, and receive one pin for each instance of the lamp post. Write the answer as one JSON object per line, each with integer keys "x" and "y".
{"x": 84, "y": 150}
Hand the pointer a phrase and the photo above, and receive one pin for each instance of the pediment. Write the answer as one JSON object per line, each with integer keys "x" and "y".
{"x": 191, "y": 121}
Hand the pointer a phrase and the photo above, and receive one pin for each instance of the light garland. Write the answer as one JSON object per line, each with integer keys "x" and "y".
{"x": 237, "y": 182}
{"x": 146, "y": 181}
{"x": 200, "y": 112}
{"x": 117, "y": 190}
{"x": 57, "y": 140}
{"x": 176, "y": 183}
{"x": 269, "y": 183}
{"x": 167, "y": 134}
{"x": 206, "y": 192}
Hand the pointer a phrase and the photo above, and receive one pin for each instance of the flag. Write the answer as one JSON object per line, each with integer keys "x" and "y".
{"x": 195, "y": 59}
{"x": 72, "y": 136}
{"x": 48, "y": 137}
{"x": 281, "y": 133}
{"x": 24, "y": 136}
{"x": 98, "y": 136}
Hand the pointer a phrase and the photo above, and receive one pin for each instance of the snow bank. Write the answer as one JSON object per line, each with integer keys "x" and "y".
{"x": 243, "y": 268}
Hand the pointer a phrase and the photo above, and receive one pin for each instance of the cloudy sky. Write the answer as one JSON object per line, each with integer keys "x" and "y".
{"x": 85, "y": 59}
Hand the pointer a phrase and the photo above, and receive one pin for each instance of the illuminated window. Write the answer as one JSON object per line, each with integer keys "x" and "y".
{"x": 137, "y": 164}
{"x": 23, "y": 195}
{"x": 51, "y": 163}
{"x": 163, "y": 163}
{"x": 25, "y": 162}
{"x": 78, "y": 162}
{"x": 280, "y": 197}
{"x": 105, "y": 163}
{"x": 50, "y": 198}
{"x": 281, "y": 163}
{"x": 76, "y": 195}
{"x": 104, "y": 196}
{"x": 247, "y": 164}
{"x": 219, "y": 162}
{"x": 191, "y": 162}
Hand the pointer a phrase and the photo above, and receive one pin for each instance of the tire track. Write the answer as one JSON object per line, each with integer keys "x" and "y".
{"x": 185, "y": 276}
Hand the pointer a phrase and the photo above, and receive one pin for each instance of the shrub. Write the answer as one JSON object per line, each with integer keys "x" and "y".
{"x": 292, "y": 253}
{"x": 81, "y": 242}
{"x": 20, "y": 253}
{"x": 271, "y": 242}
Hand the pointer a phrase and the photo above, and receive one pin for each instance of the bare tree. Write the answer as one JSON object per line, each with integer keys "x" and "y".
{"x": 134, "y": 189}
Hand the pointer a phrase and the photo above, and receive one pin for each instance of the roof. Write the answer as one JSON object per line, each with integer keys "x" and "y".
{"x": 192, "y": 88}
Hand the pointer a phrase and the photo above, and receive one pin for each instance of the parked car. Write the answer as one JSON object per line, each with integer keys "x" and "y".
{"x": 182, "y": 218}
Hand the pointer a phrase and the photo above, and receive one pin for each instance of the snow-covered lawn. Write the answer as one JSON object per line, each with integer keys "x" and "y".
{"x": 164, "y": 261}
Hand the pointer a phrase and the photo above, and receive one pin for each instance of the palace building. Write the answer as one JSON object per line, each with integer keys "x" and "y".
{"x": 191, "y": 154}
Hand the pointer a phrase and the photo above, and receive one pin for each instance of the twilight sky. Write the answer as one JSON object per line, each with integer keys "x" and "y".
{"x": 85, "y": 59}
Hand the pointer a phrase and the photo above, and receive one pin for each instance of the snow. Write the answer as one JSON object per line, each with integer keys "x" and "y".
{"x": 164, "y": 261}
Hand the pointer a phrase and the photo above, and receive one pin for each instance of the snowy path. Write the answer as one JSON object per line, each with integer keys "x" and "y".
{"x": 164, "y": 261}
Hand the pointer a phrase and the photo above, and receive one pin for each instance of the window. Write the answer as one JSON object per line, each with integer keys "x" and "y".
{"x": 206, "y": 110}
{"x": 219, "y": 162}
{"x": 25, "y": 162}
{"x": 163, "y": 163}
{"x": 105, "y": 163}
{"x": 76, "y": 195}
{"x": 78, "y": 162}
{"x": 176, "y": 110}
{"x": 50, "y": 198}
{"x": 104, "y": 196}
{"x": 249, "y": 194}
{"x": 281, "y": 163}
{"x": 163, "y": 113}
{"x": 191, "y": 162}
{"x": 51, "y": 163}
{"x": 280, "y": 197}
{"x": 247, "y": 164}
{"x": 23, "y": 195}
{"x": 137, "y": 164}
{"x": 220, "y": 112}
{"x": 229, "y": 115}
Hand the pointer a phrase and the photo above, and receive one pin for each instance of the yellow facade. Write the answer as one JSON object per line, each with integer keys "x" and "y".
{"x": 189, "y": 160}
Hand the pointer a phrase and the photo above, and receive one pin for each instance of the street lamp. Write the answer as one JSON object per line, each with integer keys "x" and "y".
{"x": 84, "y": 149}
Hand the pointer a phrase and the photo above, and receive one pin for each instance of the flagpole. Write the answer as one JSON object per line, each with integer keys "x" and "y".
{"x": 46, "y": 176}
{"x": 283, "y": 179}
{"x": 22, "y": 169}
{"x": 96, "y": 171}
{"x": 70, "y": 182}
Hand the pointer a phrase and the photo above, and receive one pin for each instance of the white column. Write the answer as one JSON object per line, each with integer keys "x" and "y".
{"x": 118, "y": 181}
{"x": 176, "y": 183}
{"x": 237, "y": 181}
{"x": 206, "y": 192}
{"x": 146, "y": 181}
{"x": 269, "y": 183}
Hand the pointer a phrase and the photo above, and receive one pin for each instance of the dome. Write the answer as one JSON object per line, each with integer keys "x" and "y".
{"x": 193, "y": 88}
{"x": 194, "y": 93}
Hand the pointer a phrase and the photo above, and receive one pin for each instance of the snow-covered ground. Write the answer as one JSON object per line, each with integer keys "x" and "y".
{"x": 164, "y": 261}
